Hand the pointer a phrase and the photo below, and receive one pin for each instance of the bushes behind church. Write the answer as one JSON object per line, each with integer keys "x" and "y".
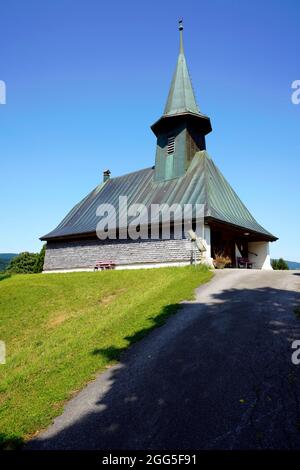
{"x": 27, "y": 263}
{"x": 279, "y": 264}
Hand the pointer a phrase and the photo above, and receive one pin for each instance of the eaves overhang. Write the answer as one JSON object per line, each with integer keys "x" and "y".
{"x": 167, "y": 122}
{"x": 239, "y": 228}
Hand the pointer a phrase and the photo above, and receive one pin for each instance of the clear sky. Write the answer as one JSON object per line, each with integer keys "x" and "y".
{"x": 86, "y": 79}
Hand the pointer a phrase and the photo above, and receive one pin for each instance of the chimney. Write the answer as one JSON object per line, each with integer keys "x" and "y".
{"x": 106, "y": 175}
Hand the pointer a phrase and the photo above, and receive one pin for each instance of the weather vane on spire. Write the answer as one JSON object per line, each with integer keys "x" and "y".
{"x": 180, "y": 27}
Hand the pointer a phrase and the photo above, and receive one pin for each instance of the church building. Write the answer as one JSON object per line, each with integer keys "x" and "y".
{"x": 183, "y": 173}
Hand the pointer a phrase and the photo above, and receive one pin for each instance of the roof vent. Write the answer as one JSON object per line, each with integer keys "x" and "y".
{"x": 106, "y": 175}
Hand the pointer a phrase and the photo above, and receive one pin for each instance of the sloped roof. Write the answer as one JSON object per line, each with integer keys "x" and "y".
{"x": 181, "y": 98}
{"x": 181, "y": 101}
{"x": 203, "y": 183}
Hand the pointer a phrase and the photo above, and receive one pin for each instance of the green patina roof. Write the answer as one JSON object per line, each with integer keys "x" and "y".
{"x": 203, "y": 183}
{"x": 181, "y": 97}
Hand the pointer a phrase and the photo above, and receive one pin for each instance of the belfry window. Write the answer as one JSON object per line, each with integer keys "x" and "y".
{"x": 171, "y": 145}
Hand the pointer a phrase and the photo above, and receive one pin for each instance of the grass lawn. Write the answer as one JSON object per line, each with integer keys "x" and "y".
{"x": 62, "y": 329}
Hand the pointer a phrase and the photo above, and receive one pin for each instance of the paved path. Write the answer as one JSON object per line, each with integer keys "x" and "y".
{"x": 218, "y": 375}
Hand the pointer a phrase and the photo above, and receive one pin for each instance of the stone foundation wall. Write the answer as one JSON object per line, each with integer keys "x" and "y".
{"x": 85, "y": 253}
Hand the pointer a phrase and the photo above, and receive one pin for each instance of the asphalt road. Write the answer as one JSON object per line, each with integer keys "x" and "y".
{"x": 217, "y": 375}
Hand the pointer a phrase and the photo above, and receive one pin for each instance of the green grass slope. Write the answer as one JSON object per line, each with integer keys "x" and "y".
{"x": 61, "y": 329}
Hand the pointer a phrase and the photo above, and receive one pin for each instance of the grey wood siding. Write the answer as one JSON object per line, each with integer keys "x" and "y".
{"x": 84, "y": 254}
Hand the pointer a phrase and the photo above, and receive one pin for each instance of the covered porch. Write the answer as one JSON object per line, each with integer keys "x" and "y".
{"x": 242, "y": 248}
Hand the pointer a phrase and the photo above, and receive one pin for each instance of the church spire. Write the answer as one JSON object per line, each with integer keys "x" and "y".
{"x": 181, "y": 130}
{"x": 181, "y": 98}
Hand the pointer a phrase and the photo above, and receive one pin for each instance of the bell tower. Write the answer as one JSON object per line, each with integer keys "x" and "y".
{"x": 182, "y": 128}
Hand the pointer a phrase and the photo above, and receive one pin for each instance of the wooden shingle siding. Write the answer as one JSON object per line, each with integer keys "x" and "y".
{"x": 84, "y": 254}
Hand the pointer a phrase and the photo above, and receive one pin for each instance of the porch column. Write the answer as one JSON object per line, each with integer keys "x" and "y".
{"x": 207, "y": 254}
{"x": 259, "y": 255}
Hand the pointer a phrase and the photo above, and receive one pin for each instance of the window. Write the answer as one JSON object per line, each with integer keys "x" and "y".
{"x": 171, "y": 145}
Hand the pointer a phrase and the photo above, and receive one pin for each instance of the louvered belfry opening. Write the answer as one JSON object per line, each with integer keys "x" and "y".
{"x": 171, "y": 145}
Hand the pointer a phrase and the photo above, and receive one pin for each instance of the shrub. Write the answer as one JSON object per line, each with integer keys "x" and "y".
{"x": 279, "y": 264}
{"x": 39, "y": 264}
{"x": 221, "y": 260}
{"x": 24, "y": 263}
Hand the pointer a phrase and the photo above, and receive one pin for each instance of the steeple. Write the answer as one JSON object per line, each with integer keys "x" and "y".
{"x": 182, "y": 128}
{"x": 181, "y": 97}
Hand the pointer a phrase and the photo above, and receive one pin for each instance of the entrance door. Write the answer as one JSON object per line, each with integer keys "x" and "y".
{"x": 223, "y": 243}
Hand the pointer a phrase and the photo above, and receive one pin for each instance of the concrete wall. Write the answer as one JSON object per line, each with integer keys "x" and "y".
{"x": 83, "y": 254}
{"x": 262, "y": 260}
{"x": 207, "y": 254}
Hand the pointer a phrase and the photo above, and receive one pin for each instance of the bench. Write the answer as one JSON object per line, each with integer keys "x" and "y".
{"x": 244, "y": 263}
{"x": 104, "y": 265}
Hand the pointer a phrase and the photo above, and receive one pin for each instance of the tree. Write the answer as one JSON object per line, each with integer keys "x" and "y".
{"x": 279, "y": 264}
{"x": 23, "y": 263}
{"x": 39, "y": 264}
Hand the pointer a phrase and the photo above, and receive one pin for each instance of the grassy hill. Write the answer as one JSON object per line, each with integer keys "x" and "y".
{"x": 61, "y": 329}
{"x": 293, "y": 265}
{"x": 5, "y": 259}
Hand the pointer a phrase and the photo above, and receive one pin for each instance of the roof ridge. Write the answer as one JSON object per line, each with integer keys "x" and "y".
{"x": 130, "y": 173}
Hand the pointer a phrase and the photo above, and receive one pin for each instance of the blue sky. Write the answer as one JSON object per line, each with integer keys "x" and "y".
{"x": 86, "y": 79}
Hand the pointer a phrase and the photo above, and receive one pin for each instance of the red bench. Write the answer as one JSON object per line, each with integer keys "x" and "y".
{"x": 104, "y": 265}
{"x": 244, "y": 263}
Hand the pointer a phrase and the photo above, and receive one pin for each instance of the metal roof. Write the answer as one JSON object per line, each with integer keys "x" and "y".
{"x": 181, "y": 98}
{"x": 203, "y": 183}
